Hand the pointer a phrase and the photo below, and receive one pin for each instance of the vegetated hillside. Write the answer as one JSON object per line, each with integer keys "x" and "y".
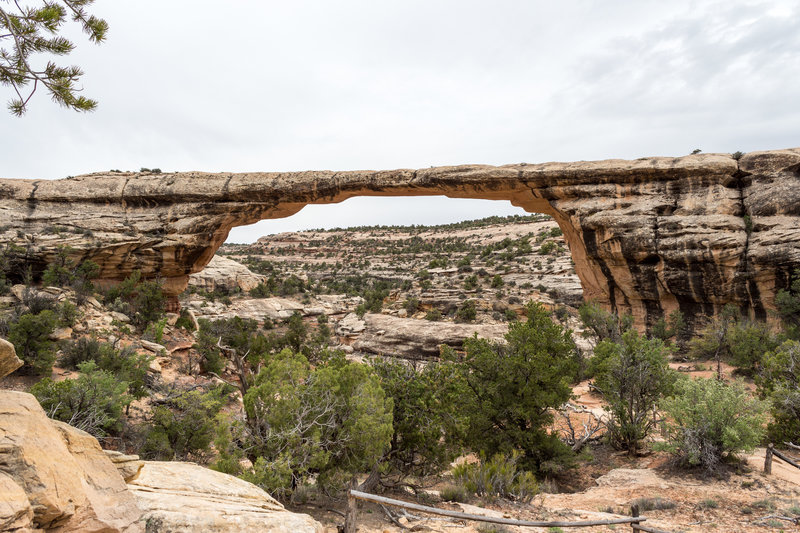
{"x": 252, "y": 378}
{"x": 476, "y": 272}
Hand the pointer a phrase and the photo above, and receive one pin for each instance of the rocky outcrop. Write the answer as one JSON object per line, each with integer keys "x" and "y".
{"x": 9, "y": 361}
{"x": 225, "y": 275}
{"x": 418, "y": 339}
{"x": 66, "y": 479}
{"x": 647, "y": 236}
{"x": 185, "y": 497}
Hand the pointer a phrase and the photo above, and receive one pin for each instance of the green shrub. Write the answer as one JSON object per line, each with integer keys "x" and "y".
{"x": 779, "y": 381}
{"x": 656, "y": 503}
{"x": 261, "y": 290}
{"x": 467, "y": 312}
{"x": 433, "y": 315}
{"x": 603, "y": 324}
{"x": 30, "y": 335}
{"x": 333, "y": 420}
{"x": 497, "y": 477}
{"x": 454, "y": 493}
{"x": 93, "y": 402}
{"x": 411, "y": 305}
{"x": 426, "y": 417}
{"x": 709, "y": 422}
{"x": 125, "y": 365}
{"x": 182, "y": 426}
{"x": 67, "y": 314}
{"x": 513, "y": 388}
{"x": 632, "y": 376}
{"x": 142, "y": 300}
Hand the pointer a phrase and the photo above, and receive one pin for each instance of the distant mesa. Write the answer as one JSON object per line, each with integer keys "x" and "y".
{"x": 647, "y": 236}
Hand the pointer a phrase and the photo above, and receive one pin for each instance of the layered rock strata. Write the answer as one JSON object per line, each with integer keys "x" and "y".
{"x": 647, "y": 236}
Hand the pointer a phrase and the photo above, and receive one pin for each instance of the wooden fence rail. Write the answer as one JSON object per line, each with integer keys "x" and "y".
{"x": 352, "y": 512}
{"x": 768, "y": 459}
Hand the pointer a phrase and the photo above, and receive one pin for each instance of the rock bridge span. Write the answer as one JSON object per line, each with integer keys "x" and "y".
{"x": 647, "y": 236}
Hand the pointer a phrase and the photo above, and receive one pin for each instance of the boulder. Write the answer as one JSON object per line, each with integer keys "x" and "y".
{"x": 418, "y": 339}
{"x": 9, "y": 361}
{"x": 226, "y": 275}
{"x": 69, "y": 482}
{"x": 128, "y": 466}
{"x": 185, "y": 497}
{"x": 15, "y": 509}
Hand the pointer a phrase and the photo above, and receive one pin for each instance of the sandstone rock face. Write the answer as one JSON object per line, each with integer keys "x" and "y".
{"x": 226, "y": 275}
{"x": 184, "y": 497}
{"x": 418, "y": 339}
{"x": 15, "y": 509}
{"x": 67, "y": 479}
{"x": 647, "y": 236}
{"x": 9, "y": 361}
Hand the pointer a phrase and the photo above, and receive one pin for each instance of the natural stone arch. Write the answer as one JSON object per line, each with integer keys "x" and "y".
{"x": 647, "y": 236}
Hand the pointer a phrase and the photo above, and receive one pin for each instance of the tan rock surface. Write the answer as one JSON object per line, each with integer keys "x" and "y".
{"x": 185, "y": 497}
{"x": 647, "y": 236}
{"x": 69, "y": 482}
{"x": 9, "y": 361}
{"x": 225, "y": 274}
{"x": 128, "y": 466}
{"x": 15, "y": 509}
{"x": 418, "y": 339}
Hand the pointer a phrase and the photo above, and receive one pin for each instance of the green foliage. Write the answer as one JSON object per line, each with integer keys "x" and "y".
{"x": 183, "y": 426}
{"x": 454, "y": 493}
{"x": 63, "y": 272}
{"x": 731, "y": 338}
{"x": 427, "y": 421}
{"x": 125, "y": 365}
{"x": 710, "y": 421}
{"x": 471, "y": 282}
{"x": 498, "y": 477}
{"x": 411, "y": 306}
{"x": 33, "y": 30}
{"x": 261, "y": 290}
{"x": 788, "y": 304}
{"x": 632, "y": 376}
{"x": 497, "y": 281}
{"x": 67, "y": 314}
{"x": 603, "y": 324}
{"x": 513, "y": 387}
{"x": 467, "y": 311}
{"x": 673, "y": 326}
{"x": 434, "y": 315}
{"x": 779, "y": 381}
{"x": 333, "y": 420}
{"x": 185, "y": 321}
{"x": 30, "y": 335}
{"x": 142, "y": 300}
{"x": 93, "y": 402}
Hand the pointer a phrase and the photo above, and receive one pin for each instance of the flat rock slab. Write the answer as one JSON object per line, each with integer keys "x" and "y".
{"x": 185, "y": 497}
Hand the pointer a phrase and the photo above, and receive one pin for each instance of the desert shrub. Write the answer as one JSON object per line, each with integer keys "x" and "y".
{"x": 512, "y": 389}
{"x": 497, "y": 281}
{"x": 653, "y": 503}
{"x": 411, "y": 305}
{"x": 125, "y": 365}
{"x": 333, "y": 420}
{"x": 632, "y": 376}
{"x": 426, "y": 417}
{"x": 471, "y": 282}
{"x": 779, "y": 380}
{"x": 498, "y": 476}
{"x": 30, "y": 335}
{"x": 709, "y": 421}
{"x": 185, "y": 321}
{"x": 182, "y": 426}
{"x": 261, "y": 290}
{"x": 603, "y": 324}
{"x": 467, "y": 311}
{"x": 671, "y": 327}
{"x": 93, "y": 402}
{"x": 454, "y": 493}
{"x": 433, "y": 315}
{"x": 788, "y": 305}
{"x": 142, "y": 300}
{"x": 731, "y": 338}
{"x": 67, "y": 314}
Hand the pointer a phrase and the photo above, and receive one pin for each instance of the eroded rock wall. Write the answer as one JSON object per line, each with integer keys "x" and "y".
{"x": 647, "y": 236}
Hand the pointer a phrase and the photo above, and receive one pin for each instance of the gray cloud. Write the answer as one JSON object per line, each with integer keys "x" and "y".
{"x": 265, "y": 85}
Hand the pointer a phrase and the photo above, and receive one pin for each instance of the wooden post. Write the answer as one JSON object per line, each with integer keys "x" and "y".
{"x": 351, "y": 516}
{"x": 768, "y": 459}
{"x": 635, "y": 513}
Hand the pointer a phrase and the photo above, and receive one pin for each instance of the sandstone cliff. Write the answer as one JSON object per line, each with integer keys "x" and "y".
{"x": 647, "y": 236}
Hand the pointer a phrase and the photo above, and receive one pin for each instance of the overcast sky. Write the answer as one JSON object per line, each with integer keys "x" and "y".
{"x": 259, "y": 85}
